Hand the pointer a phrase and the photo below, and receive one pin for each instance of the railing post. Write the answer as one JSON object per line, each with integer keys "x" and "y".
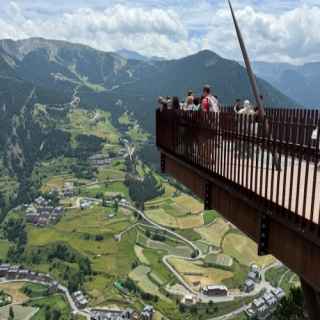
{"x": 163, "y": 163}
{"x": 207, "y": 196}
{"x": 264, "y": 235}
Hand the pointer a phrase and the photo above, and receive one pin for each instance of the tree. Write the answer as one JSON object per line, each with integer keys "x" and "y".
{"x": 99, "y": 195}
{"x": 56, "y": 314}
{"x": 116, "y": 206}
{"x": 2, "y": 201}
{"x": 11, "y": 314}
{"x": 182, "y": 308}
{"x": 104, "y": 201}
{"x": 291, "y": 307}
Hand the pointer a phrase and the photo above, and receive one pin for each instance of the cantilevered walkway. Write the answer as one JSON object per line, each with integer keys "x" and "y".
{"x": 263, "y": 176}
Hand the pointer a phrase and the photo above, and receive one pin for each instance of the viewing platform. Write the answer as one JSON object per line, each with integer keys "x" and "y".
{"x": 263, "y": 176}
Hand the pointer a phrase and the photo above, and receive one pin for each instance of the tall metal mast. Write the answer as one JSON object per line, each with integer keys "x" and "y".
{"x": 251, "y": 75}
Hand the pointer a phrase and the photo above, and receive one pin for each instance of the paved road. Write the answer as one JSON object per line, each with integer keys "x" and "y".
{"x": 232, "y": 314}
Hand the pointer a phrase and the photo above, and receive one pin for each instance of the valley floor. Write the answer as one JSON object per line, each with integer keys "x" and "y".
{"x": 124, "y": 252}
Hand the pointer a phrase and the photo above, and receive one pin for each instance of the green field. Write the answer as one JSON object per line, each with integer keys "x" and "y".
{"x": 140, "y": 276}
{"x": 55, "y": 303}
{"x": 114, "y": 187}
{"x": 110, "y": 259}
{"x": 4, "y": 247}
{"x": 220, "y": 260}
{"x": 160, "y": 216}
{"x": 244, "y": 250}
{"x": 214, "y": 233}
{"x": 172, "y": 248}
{"x": 210, "y": 216}
{"x": 274, "y": 275}
{"x": 197, "y": 274}
{"x": 8, "y": 183}
{"x": 110, "y": 173}
{"x": 20, "y": 312}
{"x": 35, "y": 290}
{"x": 82, "y": 122}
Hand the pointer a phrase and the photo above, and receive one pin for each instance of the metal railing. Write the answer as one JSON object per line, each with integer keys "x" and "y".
{"x": 276, "y": 159}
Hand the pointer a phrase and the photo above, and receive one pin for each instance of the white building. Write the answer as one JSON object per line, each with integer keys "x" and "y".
{"x": 278, "y": 293}
{"x": 215, "y": 290}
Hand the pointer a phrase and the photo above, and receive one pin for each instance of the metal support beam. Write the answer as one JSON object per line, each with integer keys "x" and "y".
{"x": 312, "y": 300}
{"x": 163, "y": 163}
{"x": 207, "y": 196}
{"x": 263, "y": 248}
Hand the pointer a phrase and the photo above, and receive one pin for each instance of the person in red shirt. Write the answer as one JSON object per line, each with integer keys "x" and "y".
{"x": 209, "y": 103}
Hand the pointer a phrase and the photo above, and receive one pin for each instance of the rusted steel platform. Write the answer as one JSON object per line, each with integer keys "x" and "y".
{"x": 263, "y": 177}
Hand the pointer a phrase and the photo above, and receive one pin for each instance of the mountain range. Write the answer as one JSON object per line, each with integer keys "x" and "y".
{"x": 300, "y": 83}
{"x": 49, "y": 72}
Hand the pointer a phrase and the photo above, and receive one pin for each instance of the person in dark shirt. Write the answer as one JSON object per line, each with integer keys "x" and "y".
{"x": 237, "y": 106}
{"x": 175, "y": 103}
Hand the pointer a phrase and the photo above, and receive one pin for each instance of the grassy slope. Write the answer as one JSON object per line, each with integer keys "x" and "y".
{"x": 57, "y": 302}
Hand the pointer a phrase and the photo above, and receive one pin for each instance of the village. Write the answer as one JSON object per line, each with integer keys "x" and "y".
{"x": 14, "y": 273}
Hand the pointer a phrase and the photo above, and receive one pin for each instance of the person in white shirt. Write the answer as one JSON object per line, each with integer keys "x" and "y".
{"x": 248, "y": 109}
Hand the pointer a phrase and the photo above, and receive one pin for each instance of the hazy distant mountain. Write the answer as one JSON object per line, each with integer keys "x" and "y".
{"x": 298, "y": 82}
{"x": 133, "y": 55}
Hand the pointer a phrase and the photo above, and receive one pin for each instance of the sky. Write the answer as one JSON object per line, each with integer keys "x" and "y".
{"x": 274, "y": 30}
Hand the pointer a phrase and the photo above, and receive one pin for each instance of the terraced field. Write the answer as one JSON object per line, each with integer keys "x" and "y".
{"x": 219, "y": 260}
{"x": 160, "y": 216}
{"x": 140, "y": 255}
{"x": 14, "y": 289}
{"x": 213, "y": 233}
{"x": 244, "y": 250}
{"x": 140, "y": 276}
{"x": 196, "y": 274}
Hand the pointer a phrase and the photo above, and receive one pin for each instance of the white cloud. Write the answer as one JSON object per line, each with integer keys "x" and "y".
{"x": 174, "y": 29}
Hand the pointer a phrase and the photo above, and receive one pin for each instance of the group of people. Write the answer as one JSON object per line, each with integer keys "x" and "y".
{"x": 206, "y": 103}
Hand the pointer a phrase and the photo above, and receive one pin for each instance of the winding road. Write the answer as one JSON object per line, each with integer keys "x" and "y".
{"x": 264, "y": 285}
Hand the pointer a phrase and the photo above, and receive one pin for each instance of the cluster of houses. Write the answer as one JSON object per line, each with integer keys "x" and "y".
{"x": 99, "y": 160}
{"x": 87, "y": 203}
{"x": 262, "y": 308}
{"x": 215, "y": 291}
{"x": 80, "y": 300}
{"x": 253, "y": 278}
{"x": 15, "y": 272}
{"x": 128, "y": 314}
{"x": 41, "y": 213}
{"x": 68, "y": 189}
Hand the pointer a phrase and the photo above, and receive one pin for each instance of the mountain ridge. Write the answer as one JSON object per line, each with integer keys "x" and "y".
{"x": 299, "y": 82}
{"x": 37, "y": 71}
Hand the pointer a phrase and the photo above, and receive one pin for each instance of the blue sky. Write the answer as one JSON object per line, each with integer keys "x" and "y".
{"x": 278, "y": 31}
